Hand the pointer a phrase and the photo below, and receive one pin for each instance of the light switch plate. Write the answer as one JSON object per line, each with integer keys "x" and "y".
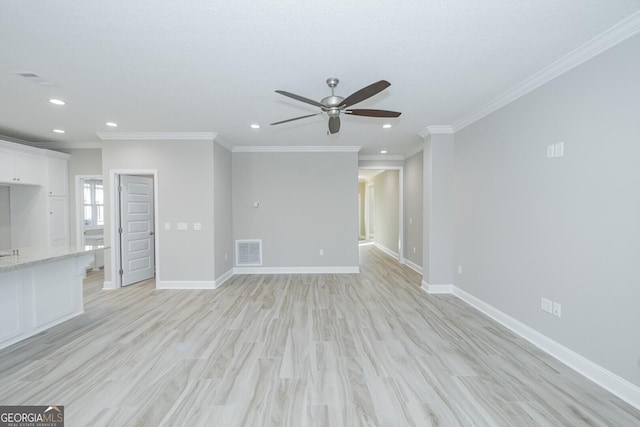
{"x": 167, "y": 226}
{"x": 182, "y": 226}
{"x": 197, "y": 226}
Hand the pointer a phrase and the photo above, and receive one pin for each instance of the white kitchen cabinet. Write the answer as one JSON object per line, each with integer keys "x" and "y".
{"x": 21, "y": 167}
{"x": 57, "y": 172}
{"x": 58, "y": 221}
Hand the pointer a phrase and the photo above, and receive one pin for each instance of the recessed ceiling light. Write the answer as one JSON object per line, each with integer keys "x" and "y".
{"x": 383, "y": 151}
{"x": 58, "y": 131}
{"x": 386, "y": 126}
{"x": 112, "y": 124}
{"x": 255, "y": 126}
{"x": 57, "y": 101}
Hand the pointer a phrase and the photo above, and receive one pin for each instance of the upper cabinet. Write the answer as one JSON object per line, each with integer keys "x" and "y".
{"x": 21, "y": 166}
{"x": 57, "y": 175}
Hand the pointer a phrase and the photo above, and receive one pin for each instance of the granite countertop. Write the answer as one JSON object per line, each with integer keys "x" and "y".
{"x": 28, "y": 256}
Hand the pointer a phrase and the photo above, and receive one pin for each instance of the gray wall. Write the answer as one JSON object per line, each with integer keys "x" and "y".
{"x": 185, "y": 185}
{"x": 567, "y": 228}
{"x": 308, "y": 202}
{"x": 5, "y": 218}
{"x": 413, "y": 195}
{"x": 386, "y": 210}
{"x": 222, "y": 202}
{"x": 85, "y": 161}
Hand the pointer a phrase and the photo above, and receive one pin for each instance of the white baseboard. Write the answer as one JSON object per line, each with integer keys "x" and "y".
{"x": 297, "y": 270}
{"x": 606, "y": 379}
{"x": 386, "y": 250}
{"x": 108, "y": 285}
{"x": 412, "y": 265}
{"x": 186, "y": 284}
{"x": 226, "y": 276}
{"x": 437, "y": 289}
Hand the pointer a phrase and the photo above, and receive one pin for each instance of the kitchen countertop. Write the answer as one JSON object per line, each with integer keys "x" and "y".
{"x": 29, "y": 256}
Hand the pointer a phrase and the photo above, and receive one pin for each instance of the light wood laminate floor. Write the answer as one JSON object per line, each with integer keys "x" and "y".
{"x": 297, "y": 350}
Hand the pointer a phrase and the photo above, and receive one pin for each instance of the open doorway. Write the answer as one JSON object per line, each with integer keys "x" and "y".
{"x": 90, "y": 215}
{"x": 381, "y": 213}
{"x": 133, "y": 233}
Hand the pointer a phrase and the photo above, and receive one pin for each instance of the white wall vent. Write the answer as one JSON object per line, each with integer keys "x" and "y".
{"x": 248, "y": 252}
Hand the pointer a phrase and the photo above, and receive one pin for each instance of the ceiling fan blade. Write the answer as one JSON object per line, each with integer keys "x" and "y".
{"x": 334, "y": 124}
{"x": 300, "y": 98}
{"x": 373, "y": 113}
{"x": 365, "y": 93}
{"x": 295, "y": 118}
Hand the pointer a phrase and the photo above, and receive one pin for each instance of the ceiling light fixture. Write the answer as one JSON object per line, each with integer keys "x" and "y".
{"x": 58, "y": 131}
{"x": 112, "y": 124}
{"x": 383, "y": 151}
{"x": 255, "y": 126}
{"x": 57, "y": 101}
{"x": 386, "y": 126}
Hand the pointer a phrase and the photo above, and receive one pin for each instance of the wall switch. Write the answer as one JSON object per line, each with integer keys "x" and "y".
{"x": 410, "y": 220}
{"x": 557, "y": 309}
{"x": 226, "y": 257}
{"x": 167, "y": 226}
{"x": 321, "y": 252}
{"x": 459, "y": 269}
{"x": 182, "y": 226}
{"x": 197, "y": 226}
{"x": 558, "y": 149}
{"x": 545, "y": 305}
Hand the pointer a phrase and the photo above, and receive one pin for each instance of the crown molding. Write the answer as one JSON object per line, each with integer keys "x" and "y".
{"x": 436, "y": 129}
{"x": 606, "y": 40}
{"x": 224, "y": 143}
{"x": 157, "y": 136}
{"x": 62, "y": 145}
{"x": 381, "y": 157}
{"x": 415, "y": 151}
{"x": 295, "y": 149}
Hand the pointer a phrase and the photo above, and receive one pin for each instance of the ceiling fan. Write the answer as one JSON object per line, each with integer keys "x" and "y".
{"x": 334, "y": 105}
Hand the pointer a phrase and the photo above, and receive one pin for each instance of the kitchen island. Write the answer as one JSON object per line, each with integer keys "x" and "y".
{"x": 39, "y": 288}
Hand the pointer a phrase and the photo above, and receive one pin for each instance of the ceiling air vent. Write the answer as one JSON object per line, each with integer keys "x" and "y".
{"x": 34, "y": 78}
{"x": 248, "y": 252}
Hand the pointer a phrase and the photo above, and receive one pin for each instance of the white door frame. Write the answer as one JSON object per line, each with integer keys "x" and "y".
{"x": 400, "y": 170}
{"x": 79, "y": 181}
{"x": 113, "y": 219}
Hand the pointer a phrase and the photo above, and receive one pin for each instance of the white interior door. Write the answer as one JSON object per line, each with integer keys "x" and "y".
{"x": 137, "y": 259}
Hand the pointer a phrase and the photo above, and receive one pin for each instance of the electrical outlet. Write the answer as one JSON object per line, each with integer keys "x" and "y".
{"x": 557, "y": 309}
{"x": 321, "y": 252}
{"x": 414, "y": 249}
{"x": 546, "y": 305}
{"x": 226, "y": 257}
{"x": 459, "y": 269}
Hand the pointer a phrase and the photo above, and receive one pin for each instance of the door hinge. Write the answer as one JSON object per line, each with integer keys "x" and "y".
{"x": 121, "y": 272}
{"x": 120, "y": 230}
{"x": 120, "y": 188}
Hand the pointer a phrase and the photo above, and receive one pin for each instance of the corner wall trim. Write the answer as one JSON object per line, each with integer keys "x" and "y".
{"x": 436, "y": 289}
{"x": 297, "y": 270}
{"x": 223, "y": 278}
{"x": 412, "y": 265}
{"x": 186, "y": 284}
{"x": 387, "y": 251}
{"x": 606, "y": 379}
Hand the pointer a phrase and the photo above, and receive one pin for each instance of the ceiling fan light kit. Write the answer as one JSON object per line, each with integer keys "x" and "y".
{"x": 335, "y": 105}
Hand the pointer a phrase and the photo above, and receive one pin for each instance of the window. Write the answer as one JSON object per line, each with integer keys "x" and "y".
{"x": 93, "y": 204}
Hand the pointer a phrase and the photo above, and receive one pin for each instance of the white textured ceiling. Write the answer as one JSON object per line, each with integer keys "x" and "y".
{"x": 213, "y": 66}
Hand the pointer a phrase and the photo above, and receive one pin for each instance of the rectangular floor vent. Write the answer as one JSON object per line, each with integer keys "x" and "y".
{"x": 248, "y": 252}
